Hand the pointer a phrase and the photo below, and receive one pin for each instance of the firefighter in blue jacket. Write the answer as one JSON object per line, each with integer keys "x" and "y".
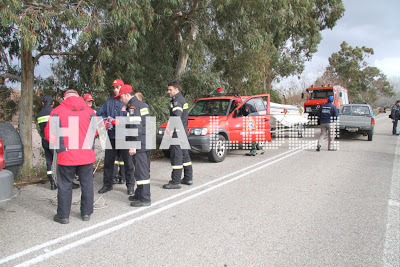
{"x": 180, "y": 158}
{"x": 137, "y": 112}
{"x": 111, "y": 109}
{"x": 327, "y": 115}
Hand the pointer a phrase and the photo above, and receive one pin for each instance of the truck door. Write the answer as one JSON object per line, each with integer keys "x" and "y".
{"x": 250, "y": 122}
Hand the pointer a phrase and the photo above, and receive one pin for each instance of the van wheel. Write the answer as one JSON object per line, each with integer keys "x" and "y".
{"x": 219, "y": 150}
{"x": 370, "y": 134}
{"x": 11, "y": 139}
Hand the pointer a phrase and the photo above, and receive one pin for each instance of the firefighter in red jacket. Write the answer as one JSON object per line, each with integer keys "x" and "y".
{"x": 75, "y": 155}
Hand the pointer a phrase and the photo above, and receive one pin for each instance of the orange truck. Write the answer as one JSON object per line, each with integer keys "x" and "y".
{"x": 317, "y": 96}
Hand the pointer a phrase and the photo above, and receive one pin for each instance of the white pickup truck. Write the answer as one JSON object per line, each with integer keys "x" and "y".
{"x": 357, "y": 118}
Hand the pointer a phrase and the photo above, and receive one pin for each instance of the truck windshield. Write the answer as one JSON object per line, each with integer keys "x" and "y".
{"x": 355, "y": 110}
{"x": 210, "y": 107}
{"x": 320, "y": 94}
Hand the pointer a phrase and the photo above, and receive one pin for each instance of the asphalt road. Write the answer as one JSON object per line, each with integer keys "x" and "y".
{"x": 288, "y": 207}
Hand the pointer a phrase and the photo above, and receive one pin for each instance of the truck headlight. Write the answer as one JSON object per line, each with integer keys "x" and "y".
{"x": 308, "y": 109}
{"x": 198, "y": 131}
{"x": 161, "y": 131}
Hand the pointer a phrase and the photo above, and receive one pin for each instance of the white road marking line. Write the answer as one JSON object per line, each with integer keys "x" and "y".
{"x": 391, "y": 254}
{"x": 154, "y": 212}
{"x": 111, "y": 220}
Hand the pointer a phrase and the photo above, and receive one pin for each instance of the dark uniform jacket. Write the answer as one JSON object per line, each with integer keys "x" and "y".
{"x": 179, "y": 107}
{"x": 137, "y": 112}
{"x": 43, "y": 118}
{"x": 326, "y": 112}
{"x": 395, "y": 113}
{"x": 112, "y": 108}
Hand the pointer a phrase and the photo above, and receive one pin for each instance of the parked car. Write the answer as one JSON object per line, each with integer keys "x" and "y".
{"x": 357, "y": 118}
{"x": 11, "y": 160}
{"x": 382, "y": 110}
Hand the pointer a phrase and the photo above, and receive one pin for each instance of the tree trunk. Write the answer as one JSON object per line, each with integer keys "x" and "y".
{"x": 183, "y": 51}
{"x": 25, "y": 106}
{"x": 184, "y": 45}
{"x": 182, "y": 61}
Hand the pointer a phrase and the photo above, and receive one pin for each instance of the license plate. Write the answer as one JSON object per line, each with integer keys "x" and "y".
{"x": 351, "y": 129}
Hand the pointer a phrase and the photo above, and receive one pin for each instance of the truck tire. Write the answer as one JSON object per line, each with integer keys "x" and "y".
{"x": 166, "y": 153}
{"x": 10, "y": 137}
{"x": 370, "y": 135}
{"x": 218, "y": 153}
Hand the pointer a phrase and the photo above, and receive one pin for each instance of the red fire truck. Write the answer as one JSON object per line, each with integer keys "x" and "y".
{"x": 317, "y": 96}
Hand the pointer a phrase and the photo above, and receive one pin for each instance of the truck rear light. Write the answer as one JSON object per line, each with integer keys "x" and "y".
{"x": 2, "y": 161}
{"x": 373, "y": 121}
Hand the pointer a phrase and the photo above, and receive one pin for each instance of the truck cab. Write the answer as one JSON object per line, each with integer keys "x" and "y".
{"x": 317, "y": 96}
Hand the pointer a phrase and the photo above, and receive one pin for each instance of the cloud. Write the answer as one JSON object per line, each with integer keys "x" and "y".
{"x": 390, "y": 66}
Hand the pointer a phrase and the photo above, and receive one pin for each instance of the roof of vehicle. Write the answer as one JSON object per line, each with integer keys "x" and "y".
{"x": 227, "y": 97}
{"x": 357, "y": 105}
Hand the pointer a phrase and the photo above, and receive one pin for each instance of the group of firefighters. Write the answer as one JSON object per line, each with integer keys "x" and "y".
{"x": 134, "y": 162}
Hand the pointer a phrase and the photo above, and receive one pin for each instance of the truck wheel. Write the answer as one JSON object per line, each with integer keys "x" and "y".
{"x": 218, "y": 153}
{"x": 370, "y": 134}
{"x": 166, "y": 153}
{"x": 10, "y": 137}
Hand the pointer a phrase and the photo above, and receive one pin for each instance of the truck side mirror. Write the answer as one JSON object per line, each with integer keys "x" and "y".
{"x": 302, "y": 95}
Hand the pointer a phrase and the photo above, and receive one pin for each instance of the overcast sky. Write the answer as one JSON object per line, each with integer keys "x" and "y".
{"x": 371, "y": 23}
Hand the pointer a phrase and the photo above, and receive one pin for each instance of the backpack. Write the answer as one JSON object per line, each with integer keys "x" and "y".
{"x": 394, "y": 113}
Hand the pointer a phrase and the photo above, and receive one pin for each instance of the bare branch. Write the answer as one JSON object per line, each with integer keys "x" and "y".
{"x": 11, "y": 76}
{"x": 49, "y": 53}
{"x": 5, "y": 57}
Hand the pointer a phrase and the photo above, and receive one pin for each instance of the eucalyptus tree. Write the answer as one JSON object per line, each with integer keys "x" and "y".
{"x": 31, "y": 29}
{"x": 241, "y": 45}
{"x": 365, "y": 83}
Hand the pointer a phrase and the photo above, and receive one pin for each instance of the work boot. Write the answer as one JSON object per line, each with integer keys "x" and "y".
{"x": 252, "y": 152}
{"x": 59, "y": 220}
{"x": 133, "y": 198}
{"x": 85, "y": 218}
{"x": 121, "y": 181}
{"x": 138, "y": 203}
{"x": 171, "y": 186}
{"x": 187, "y": 182}
{"x": 318, "y": 148}
{"x": 115, "y": 180}
{"x": 105, "y": 189}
